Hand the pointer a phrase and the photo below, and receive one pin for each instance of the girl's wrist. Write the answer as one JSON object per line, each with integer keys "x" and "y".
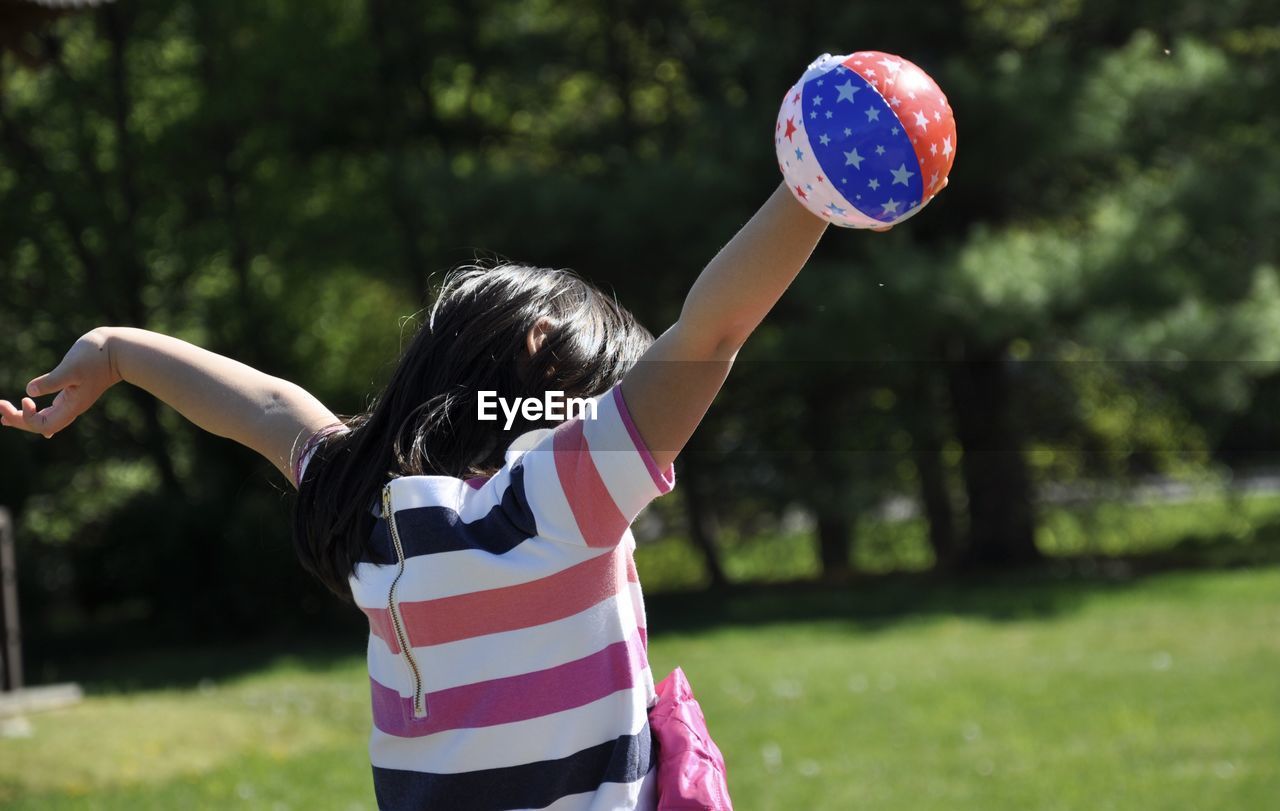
{"x": 109, "y": 341}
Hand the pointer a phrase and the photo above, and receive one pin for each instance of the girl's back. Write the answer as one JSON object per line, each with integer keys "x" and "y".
{"x": 507, "y": 648}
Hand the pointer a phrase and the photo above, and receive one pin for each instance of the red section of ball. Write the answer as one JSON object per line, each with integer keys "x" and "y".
{"x": 920, "y": 105}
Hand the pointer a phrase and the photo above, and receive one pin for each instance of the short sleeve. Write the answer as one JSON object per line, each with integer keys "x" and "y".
{"x": 309, "y": 448}
{"x": 585, "y": 481}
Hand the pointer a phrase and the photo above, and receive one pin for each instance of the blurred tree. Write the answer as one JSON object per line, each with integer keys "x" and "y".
{"x": 282, "y": 183}
{"x": 24, "y": 25}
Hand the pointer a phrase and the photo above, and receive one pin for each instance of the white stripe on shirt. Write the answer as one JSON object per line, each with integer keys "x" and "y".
{"x": 547, "y": 737}
{"x": 525, "y": 650}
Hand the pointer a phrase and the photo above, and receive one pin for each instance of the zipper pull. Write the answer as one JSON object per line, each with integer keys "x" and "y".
{"x": 393, "y": 610}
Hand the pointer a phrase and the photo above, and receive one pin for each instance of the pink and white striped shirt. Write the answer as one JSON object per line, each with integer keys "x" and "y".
{"x": 507, "y": 651}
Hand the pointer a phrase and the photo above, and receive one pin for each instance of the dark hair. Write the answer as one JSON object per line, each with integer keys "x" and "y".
{"x": 425, "y": 421}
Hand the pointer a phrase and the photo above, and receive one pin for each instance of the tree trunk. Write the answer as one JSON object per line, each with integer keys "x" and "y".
{"x": 390, "y": 63}
{"x": 829, "y": 495}
{"x": 997, "y": 481}
{"x": 937, "y": 505}
{"x": 704, "y": 528}
{"x": 926, "y": 419}
{"x": 128, "y": 258}
{"x": 834, "y": 532}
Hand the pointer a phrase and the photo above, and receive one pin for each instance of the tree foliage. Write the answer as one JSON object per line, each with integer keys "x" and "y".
{"x": 1096, "y": 293}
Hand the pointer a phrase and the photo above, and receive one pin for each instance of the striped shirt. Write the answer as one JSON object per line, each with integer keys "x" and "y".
{"x": 507, "y": 650}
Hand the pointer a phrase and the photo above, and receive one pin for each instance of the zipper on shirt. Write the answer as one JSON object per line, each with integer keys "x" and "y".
{"x": 402, "y": 636}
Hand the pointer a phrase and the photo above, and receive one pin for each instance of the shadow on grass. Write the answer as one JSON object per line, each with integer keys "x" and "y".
{"x": 876, "y": 602}
{"x": 132, "y": 657}
{"x": 128, "y": 658}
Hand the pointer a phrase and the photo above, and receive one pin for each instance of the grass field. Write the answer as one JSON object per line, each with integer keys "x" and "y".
{"x": 1032, "y": 692}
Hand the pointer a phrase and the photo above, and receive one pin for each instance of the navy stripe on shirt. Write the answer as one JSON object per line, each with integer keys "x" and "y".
{"x": 529, "y": 785}
{"x": 431, "y": 530}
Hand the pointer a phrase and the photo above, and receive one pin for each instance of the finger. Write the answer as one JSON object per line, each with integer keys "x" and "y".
{"x": 15, "y": 417}
{"x": 59, "y": 415}
{"x": 12, "y": 416}
{"x": 31, "y": 416}
{"x": 8, "y": 414}
{"x": 47, "y": 383}
{"x": 23, "y": 419}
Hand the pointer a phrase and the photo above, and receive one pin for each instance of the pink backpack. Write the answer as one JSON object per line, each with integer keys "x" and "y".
{"x": 691, "y": 773}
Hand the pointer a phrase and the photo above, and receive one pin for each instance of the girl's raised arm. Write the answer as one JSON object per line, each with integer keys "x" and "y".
{"x": 223, "y": 396}
{"x": 670, "y": 389}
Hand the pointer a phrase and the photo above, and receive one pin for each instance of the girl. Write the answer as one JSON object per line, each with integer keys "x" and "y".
{"x": 507, "y": 648}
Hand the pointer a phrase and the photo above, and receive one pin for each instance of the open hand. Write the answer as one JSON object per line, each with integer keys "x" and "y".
{"x": 79, "y": 380}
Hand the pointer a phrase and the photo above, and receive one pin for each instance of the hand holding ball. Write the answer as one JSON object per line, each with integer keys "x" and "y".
{"x": 865, "y": 140}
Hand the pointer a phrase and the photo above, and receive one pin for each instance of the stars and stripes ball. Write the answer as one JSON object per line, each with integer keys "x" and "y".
{"x": 865, "y": 140}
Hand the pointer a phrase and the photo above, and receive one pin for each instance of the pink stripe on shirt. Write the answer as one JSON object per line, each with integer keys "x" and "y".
{"x": 664, "y": 480}
{"x": 514, "y": 698}
{"x": 594, "y": 510}
{"x": 492, "y": 611}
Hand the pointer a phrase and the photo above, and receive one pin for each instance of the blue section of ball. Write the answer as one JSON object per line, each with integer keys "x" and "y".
{"x": 861, "y": 145}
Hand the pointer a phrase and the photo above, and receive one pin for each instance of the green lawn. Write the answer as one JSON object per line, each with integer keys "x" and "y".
{"x": 1016, "y": 693}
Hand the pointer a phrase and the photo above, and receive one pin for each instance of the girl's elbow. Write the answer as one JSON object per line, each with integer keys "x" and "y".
{"x": 720, "y": 344}
{"x": 728, "y": 346}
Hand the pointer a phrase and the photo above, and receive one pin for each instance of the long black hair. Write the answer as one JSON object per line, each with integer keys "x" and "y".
{"x": 425, "y": 421}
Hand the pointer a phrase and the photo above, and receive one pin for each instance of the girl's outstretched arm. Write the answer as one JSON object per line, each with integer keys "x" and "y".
{"x": 670, "y": 389}
{"x": 223, "y": 396}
